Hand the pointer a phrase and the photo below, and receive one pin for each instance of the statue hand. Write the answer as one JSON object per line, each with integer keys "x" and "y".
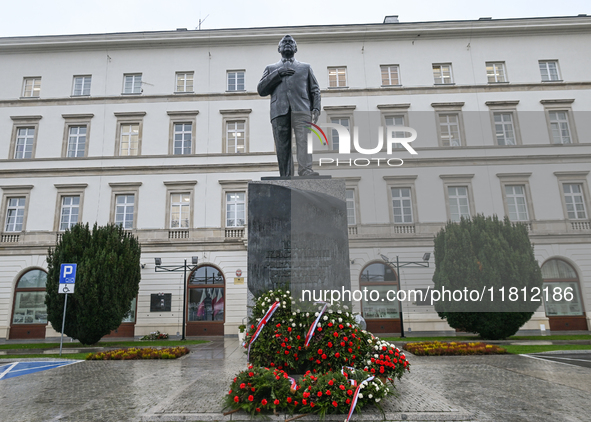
{"x": 315, "y": 115}
{"x": 286, "y": 72}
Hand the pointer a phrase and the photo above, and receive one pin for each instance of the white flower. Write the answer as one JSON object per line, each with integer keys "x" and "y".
{"x": 369, "y": 362}
{"x": 287, "y": 291}
{"x": 268, "y": 300}
{"x": 319, "y": 325}
{"x": 377, "y": 400}
{"x": 325, "y": 318}
{"x": 376, "y": 347}
{"x": 362, "y": 386}
{"x": 370, "y": 396}
{"x": 276, "y": 299}
{"x": 298, "y": 311}
{"x": 345, "y": 307}
{"x": 340, "y": 319}
{"x": 339, "y": 311}
{"x": 376, "y": 356}
{"x": 293, "y": 313}
{"x": 360, "y": 395}
{"x": 293, "y": 324}
{"x": 330, "y": 311}
{"x": 307, "y": 314}
{"x": 316, "y": 314}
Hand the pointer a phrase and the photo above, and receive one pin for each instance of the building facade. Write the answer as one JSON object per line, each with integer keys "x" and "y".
{"x": 162, "y": 131}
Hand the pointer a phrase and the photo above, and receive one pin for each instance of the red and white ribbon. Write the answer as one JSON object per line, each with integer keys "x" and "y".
{"x": 313, "y": 326}
{"x": 351, "y": 381}
{"x": 356, "y": 396}
{"x": 261, "y": 325}
{"x": 294, "y": 385}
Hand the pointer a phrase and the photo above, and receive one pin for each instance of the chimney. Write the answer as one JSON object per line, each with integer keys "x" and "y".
{"x": 391, "y": 19}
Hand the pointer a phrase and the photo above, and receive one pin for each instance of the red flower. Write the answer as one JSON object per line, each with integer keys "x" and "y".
{"x": 276, "y": 402}
{"x": 330, "y": 324}
{"x": 264, "y": 402}
{"x": 319, "y": 394}
{"x": 295, "y": 403}
{"x": 287, "y": 352}
{"x": 342, "y": 387}
{"x": 318, "y": 361}
{"x": 381, "y": 369}
{"x": 298, "y": 337}
{"x": 337, "y": 354}
{"x": 343, "y": 344}
{"x": 319, "y": 328}
{"x": 335, "y": 334}
{"x": 236, "y": 399}
{"x": 289, "y": 329}
{"x": 278, "y": 325}
{"x": 345, "y": 338}
{"x": 250, "y": 374}
{"x": 331, "y": 382}
{"x": 335, "y": 404}
{"x": 329, "y": 344}
{"x": 242, "y": 385}
{"x": 272, "y": 364}
{"x": 349, "y": 392}
{"x": 319, "y": 351}
{"x": 312, "y": 404}
{"x": 341, "y": 326}
{"x": 324, "y": 356}
{"x": 350, "y": 350}
{"x": 327, "y": 392}
{"x": 306, "y": 395}
{"x": 348, "y": 401}
{"x": 289, "y": 399}
{"x": 252, "y": 389}
{"x": 250, "y": 398}
{"x": 373, "y": 371}
{"x": 283, "y": 345}
{"x": 230, "y": 392}
{"x": 258, "y": 409}
{"x": 252, "y": 326}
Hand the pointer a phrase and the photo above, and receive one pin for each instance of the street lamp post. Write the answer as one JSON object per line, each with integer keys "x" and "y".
{"x": 172, "y": 268}
{"x": 424, "y": 263}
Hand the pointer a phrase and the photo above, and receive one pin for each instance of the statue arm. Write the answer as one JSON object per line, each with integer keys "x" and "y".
{"x": 314, "y": 90}
{"x": 268, "y": 82}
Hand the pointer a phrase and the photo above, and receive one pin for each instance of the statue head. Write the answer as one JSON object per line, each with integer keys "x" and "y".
{"x": 287, "y": 46}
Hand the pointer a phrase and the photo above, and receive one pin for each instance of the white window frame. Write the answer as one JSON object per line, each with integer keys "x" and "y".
{"x": 232, "y": 80}
{"x": 70, "y": 214}
{"x": 35, "y": 87}
{"x": 232, "y": 186}
{"x": 85, "y": 85}
{"x": 25, "y": 142}
{"x": 68, "y": 190}
{"x": 402, "y": 182}
{"x": 75, "y": 120}
{"x": 446, "y": 110}
{"x": 560, "y": 106}
{"x": 545, "y": 71}
{"x": 135, "y": 85}
{"x": 184, "y": 78}
{"x": 517, "y": 179}
{"x": 182, "y": 117}
{"x": 127, "y": 119}
{"x": 338, "y": 112}
{"x": 12, "y": 192}
{"x": 458, "y": 181}
{"x": 402, "y": 202}
{"x": 337, "y": 77}
{"x": 575, "y": 201}
{"x": 497, "y": 74}
{"x": 23, "y": 122}
{"x": 394, "y": 112}
{"x": 233, "y": 206}
{"x": 500, "y": 108}
{"x": 388, "y": 70}
{"x": 124, "y": 189}
{"x": 186, "y": 187}
{"x": 351, "y": 207}
{"x": 17, "y": 206}
{"x": 574, "y": 178}
{"x": 504, "y": 128}
{"x": 232, "y": 117}
{"x": 352, "y": 184}
{"x": 438, "y": 74}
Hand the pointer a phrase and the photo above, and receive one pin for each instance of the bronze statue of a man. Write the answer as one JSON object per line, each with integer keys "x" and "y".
{"x": 295, "y": 101}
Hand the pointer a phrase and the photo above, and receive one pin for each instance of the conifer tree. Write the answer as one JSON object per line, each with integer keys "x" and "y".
{"x": 491, "y": 257}
{"x": 107, "y": 280}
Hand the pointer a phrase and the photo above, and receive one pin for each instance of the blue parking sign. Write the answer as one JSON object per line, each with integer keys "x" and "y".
{"x": 68, "y": 274}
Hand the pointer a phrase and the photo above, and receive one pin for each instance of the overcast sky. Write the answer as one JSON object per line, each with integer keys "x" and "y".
{"x": 52, "y": 17}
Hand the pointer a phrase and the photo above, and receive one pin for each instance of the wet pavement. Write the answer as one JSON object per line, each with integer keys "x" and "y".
{"x": 474, "y": 388}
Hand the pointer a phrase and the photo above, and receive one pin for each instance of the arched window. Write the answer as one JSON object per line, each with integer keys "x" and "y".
{"x": 381, "y": 277}
{"x": 29, "y": 315}
{"x": 559, "y": 275}
{"x": 206, "y": 295}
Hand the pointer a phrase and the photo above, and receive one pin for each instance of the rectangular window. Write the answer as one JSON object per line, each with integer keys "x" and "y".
{"x": 235, "y": 209}
{"x": 76, "y": 141}
{"x": 559, "y": 126}
{"x": 549, "y": 70}
{"x": 31, "y": 87}
{"x": 183, "y": 133}
{"x": 575, "y": 201}
{"x": 516, "y": 202}
{"x": 25, "y": 138}
{"x": 495, "y": 72}
{"x": 402, "y": 205}
{"x": 129, "y": 139}
{"x": 180, "y": 210}
{"x": 81, "y": 85}
{"x": 15, "y": 214}
{"x": 390, "y": 75}
{"x": 442, "y": 74}
{"x": 449, "y": 126}
{"x": 396, "y": 121}
{"x": 235, "y": 135}
{"x": 504, "y": 129}
{"x": 124, "y": 209}
{"x": 236, "y": 80}
{"x": 343, "y": 121}
{"x": 458, "y": 202}
{"x": 70, "y": 212}
{"x": 132, "y": 84}
{"x": 184, "y": 81}
{"x": 337, "y": 77}
{"x": 351, "y": 207}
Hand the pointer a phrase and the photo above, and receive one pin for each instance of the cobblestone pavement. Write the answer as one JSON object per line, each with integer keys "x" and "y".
{"x": 478, "y": 388}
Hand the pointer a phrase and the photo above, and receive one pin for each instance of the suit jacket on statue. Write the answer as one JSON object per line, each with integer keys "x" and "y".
{"x": 299, "y": 91}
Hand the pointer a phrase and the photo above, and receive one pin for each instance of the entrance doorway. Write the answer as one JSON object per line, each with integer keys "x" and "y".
{"x": 206, "y": 302}
{"x": 29, "y": 314}
{"x": 381, "y": 316}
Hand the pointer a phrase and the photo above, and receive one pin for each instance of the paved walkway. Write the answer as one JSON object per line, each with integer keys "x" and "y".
{"x": 478, "y": 388}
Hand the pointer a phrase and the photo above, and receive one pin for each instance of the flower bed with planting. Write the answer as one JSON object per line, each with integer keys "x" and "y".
{"x": 344, "y": 367}
{"x": 139, "y": 353}
{"x": 438, "y": 348}
{"x": 156, "y": 335}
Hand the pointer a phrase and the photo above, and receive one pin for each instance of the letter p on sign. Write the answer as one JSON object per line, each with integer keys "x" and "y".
{"x": 68, "y": 274}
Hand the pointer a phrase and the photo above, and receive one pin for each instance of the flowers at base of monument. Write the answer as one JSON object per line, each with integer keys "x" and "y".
{"x": 260, "y": 389}
{"x": 334, "y": 392}
{"x": 385, "y": 360}
{"x": 438, "y": 348}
